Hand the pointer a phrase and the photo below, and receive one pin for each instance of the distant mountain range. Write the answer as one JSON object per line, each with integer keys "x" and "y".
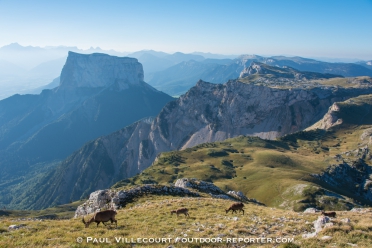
{"x": 25, "y": 69}
{"x": 177, "y": 79}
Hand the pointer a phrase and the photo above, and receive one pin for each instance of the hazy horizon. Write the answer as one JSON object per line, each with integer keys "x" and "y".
{"x": 125, "y": 53}
{"x": 314, "y": 29}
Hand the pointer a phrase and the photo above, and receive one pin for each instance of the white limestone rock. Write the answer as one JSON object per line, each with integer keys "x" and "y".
{"x": 345, "y": 220}
{"x": 319, "y": 224}
{"x": 16, "y": 227}
{"x": 238, "y": 194}
{"x": 311, "y": 211}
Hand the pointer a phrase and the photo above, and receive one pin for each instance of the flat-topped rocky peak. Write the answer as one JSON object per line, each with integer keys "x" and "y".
{"x": 100, "y": 70}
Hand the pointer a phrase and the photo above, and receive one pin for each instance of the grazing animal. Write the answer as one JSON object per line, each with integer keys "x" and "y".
{"x": 236, "y": 206}
{"x": 329, "y": 214}
{"x": 103, "y": 216}
{"x": 184, "y": 211}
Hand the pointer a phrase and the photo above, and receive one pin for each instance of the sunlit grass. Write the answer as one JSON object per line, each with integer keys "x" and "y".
{"x": 150, "y": 217}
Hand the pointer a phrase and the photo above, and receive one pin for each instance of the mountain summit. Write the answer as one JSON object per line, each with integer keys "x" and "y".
{"x": 100, "y": 70}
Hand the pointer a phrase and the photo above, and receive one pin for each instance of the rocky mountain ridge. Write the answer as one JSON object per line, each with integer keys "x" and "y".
{"x": 177, "y": 79}
{"x": 265, "y": 70}
{"x": 206, "y": 113}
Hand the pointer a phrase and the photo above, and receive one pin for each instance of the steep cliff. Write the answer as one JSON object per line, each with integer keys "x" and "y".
{"x": 100, "y": 70}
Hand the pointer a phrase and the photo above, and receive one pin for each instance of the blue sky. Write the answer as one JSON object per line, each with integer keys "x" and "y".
{"x": 312, "y": 28}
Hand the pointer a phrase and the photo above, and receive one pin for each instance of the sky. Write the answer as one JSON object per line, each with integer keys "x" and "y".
{"x": 307, "y": 28}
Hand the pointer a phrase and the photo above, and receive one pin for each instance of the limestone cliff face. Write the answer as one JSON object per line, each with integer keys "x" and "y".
{"x": 206, "y": 113}
{"x": 100, "y": 70}
{"x": 329, "y": 120}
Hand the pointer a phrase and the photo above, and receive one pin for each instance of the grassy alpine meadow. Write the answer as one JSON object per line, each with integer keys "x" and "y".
{"x": 147, "y": 221}
{"x": 274, "y": 172}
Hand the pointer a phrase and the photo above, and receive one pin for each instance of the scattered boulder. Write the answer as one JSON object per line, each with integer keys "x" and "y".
{"x": 360, "y": 210}
{"x": 16, "y": 227}
{"x": 311, "y": 211}
{"x": 319, "y": 224}
{"x": 346, "y": 220}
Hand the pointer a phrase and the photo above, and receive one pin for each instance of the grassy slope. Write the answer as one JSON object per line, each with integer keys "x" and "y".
{"x": 59, "y": 212}
{"x": 261, "y": 169}
{"x": 150, "y": 217}
{"x": 335, "y": 82}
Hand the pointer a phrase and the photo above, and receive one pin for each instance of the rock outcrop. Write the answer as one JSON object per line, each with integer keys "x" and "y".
{"x": 199, "y": 185}
{"x": 356, "y": 176}
{"x": 319, "y": 224}
{"x": 329, "y": 120}
{"x": 117, "y": 199}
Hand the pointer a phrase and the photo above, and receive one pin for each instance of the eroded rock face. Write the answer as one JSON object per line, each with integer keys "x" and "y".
{"x": 100, "y": 70}
{"x": 329, "y": 120}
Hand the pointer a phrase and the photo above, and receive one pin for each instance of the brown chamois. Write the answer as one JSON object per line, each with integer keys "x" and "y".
{"x": 103, "y": 217}
{"x": 329, "y": 214}
{"x": 236, "y": 206}
{"x": 184, "y": 211}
